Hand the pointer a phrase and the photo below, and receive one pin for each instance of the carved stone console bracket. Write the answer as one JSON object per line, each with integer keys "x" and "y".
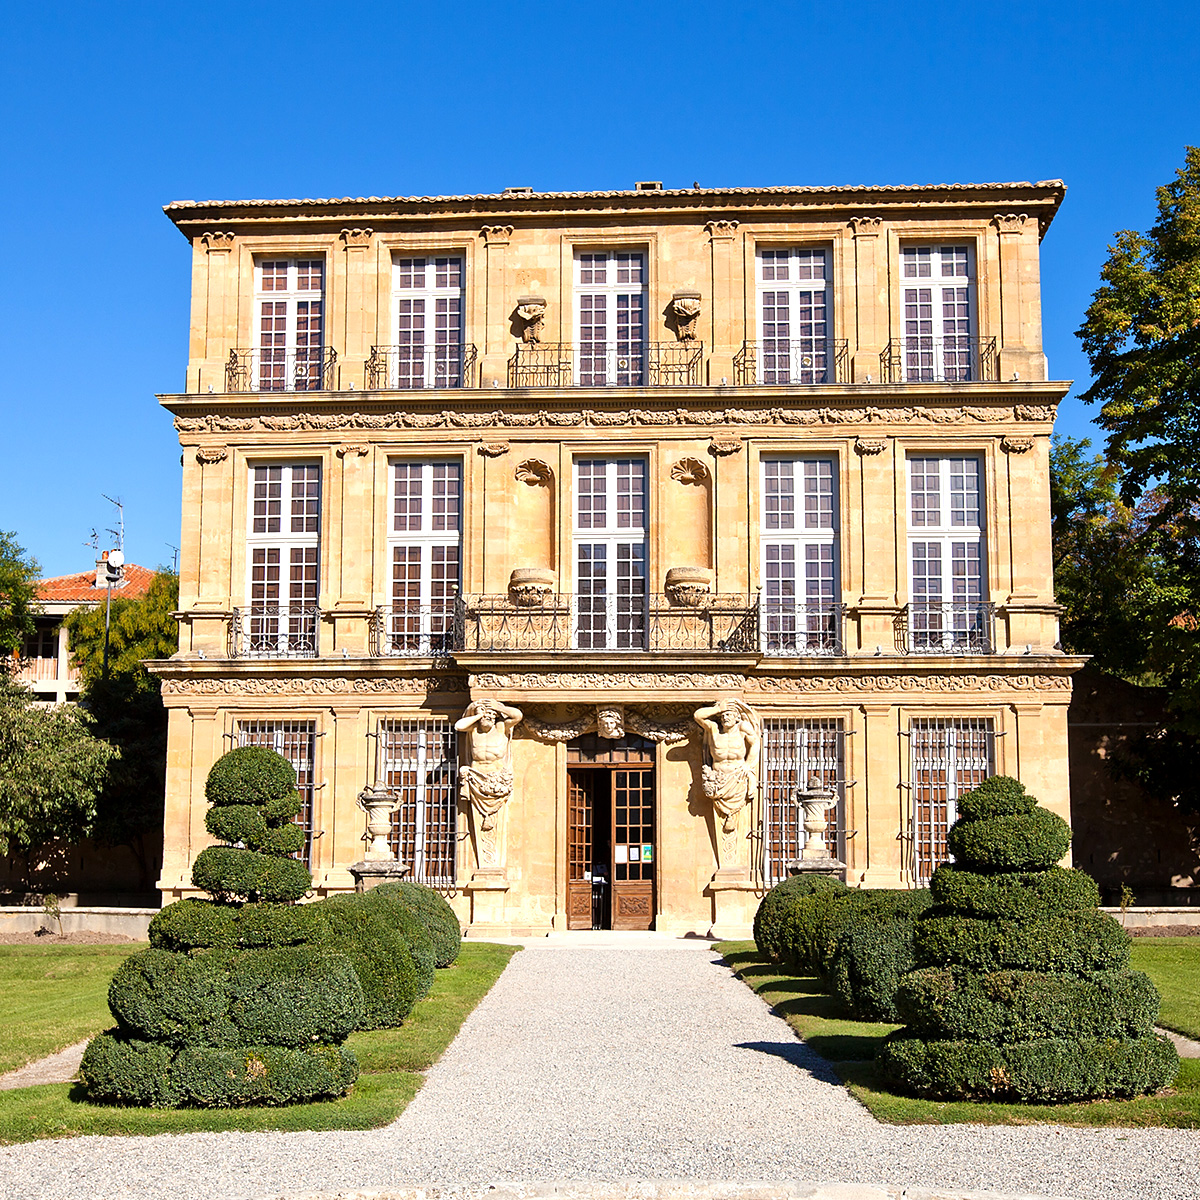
{"x": 493, "y": 449}
{"x": 688, "y": 587}
{"x": 356, "y": 239}
{"x": 866, "y": 226}
{"x": 529, "y": 587}
{"x": 496, "y": 235}
{"x": 1010, "y": 222}
{"x": 534, "y": 472}
{"x": 532, "y": 311}
{"x": 1016, "y": 445}
{"x": 217, "y": 242}
{"x": 719, "y": 447}
{"x": 868, "y": 446}
{"x": 685, "y": 307}
{"x": 212, "y": 454}
{"x": 356, "y": 449}
{"x": 721, "y": 231}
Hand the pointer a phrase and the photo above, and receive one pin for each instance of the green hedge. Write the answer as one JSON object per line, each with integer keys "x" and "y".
{"x": 266, "y": 926}
{"x": 249, "y": 775}
{"x": 194, "y": 925}
{"x": 942, "y": 1004}
{"x": 434, "y": 912}
{"x": 381, "y": 959}
{"x": 117, "y": 1070}
{"x": 1050, "y": 1070}
{"x": 1027, "y": 842}
{"x": 874, "y": 951}
{"x": 228, "y": 872}
{"x": 1012, "y": 895}
{"x": 1079, "y": 943}
{"x": 393, "y": 910}
{"x": 774, "y": 912}
{"x": 998, "y": 796}
{"x": 174, "y": 999}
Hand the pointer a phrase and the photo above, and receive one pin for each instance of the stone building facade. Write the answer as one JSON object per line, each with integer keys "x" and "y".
{"x": 564, "y": 538}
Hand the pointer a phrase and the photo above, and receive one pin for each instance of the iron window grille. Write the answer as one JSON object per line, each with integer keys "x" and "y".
{"x": 296, "y": 741}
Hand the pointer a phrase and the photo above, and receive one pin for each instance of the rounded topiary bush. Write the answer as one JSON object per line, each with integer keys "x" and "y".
{"x": 393, "y": 911}
{"x": 774, "y": 922}
{"x": 433, "y": 911}
{"x": 1021, "y": 989}
{"x": 242, "y": 999}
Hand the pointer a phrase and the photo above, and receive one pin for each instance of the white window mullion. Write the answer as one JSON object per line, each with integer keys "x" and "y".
{"x": 794, "y": 308}
{"x": 610, "y": 313}
{"x": 428, "y": 297}
{"x": 289, "y": 354}
{"x": 937, "y": 295}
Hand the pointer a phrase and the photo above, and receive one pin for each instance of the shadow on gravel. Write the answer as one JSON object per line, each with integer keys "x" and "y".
{"x": 798, "y": 1055}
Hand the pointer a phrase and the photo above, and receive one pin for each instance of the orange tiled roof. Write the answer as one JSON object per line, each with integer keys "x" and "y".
{"x": 81, "y": 588}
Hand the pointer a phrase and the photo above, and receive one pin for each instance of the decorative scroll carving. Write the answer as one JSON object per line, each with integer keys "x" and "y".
{"x": 212, "y": 454}
{"x": 356, "y": 238}
{"x": 610, "y": 721}
{"x": 720, "y": 447}
{"x": 353, "y": 448}
{"x": 534, "y": 472}
{"x": 334, "y": 685}
{"x": 217, "y": 242}
{"x": 685, "y": 307}
{"x": 658, "y": 731}
{"x": 910, "y": 683}
{"x": 690, "y": 471}
{"x": 496, "y": 235}
{"x": 561, "y": 731}
{"x": 865, "y": 226}
{"x": 532, "y": 311}
{"x": 868, "y": 446}
{"x": 800, "y": 415}
{"x": 1016, "y": 445}
{"x": 720, "y": 230}
{"x": 493, "y": 449}
{"x": 1010, "y": 222}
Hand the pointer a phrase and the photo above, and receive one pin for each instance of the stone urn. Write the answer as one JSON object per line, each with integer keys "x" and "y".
{"x": 379, "y": 806}
{"x": 688, "y": 587}
{"x": 531, "y": 587}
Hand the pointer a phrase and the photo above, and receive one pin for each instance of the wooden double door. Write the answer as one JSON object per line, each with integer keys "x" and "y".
{"x": 610, "y": 834}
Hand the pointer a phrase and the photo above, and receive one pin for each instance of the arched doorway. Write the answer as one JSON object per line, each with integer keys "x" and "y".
{"x": 610, "y": 833}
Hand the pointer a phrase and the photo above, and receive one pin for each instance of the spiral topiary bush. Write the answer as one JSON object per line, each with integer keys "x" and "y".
{"x": 244, "y": 998}
{"x": 1021, "y": 989}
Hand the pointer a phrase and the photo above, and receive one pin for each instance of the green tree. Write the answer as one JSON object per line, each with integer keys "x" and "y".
{"x": 128, "y": 711}
{"x": 52, "y": 767}
{"x": 18, "y": 597}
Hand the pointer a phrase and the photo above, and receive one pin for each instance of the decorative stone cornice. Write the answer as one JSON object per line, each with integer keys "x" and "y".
{"x": 607, "y": 680}
{"x": 212, "y": 454}
{"x": 334, "y": 685}
{"x": 1016, "y": 445}
{"x": 909, "y": 683}
{"x": 534, "y": 472}
{"x": 800, "y": 415}
{"x": 721, "y": 231}
{"x": 492, "y": 449}
{"x": 353, "y": 448}
{"x": 1010, "y": 222}
{"x": 865, "y": 447}
{"x": 866, "y": 226}
{"x": 356, "y": 239}
{"x": 496, "y": 235}
{"x": 217, "y": 242}
{"x": 690, "y": 471}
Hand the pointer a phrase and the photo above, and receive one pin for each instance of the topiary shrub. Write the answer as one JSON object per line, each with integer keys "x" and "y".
{"x": 433, "y": 911}
{"x": 394, "y": 912}
{"x": 1021, "y": 990}
{"x": 242, "y": 999}
{"x": 774, "y": 912}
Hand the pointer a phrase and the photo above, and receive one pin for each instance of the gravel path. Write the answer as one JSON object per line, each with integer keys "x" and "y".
{"x": 612, "y": 1063}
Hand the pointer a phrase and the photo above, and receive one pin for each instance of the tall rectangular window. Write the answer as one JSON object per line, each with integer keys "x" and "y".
{"x": 947, "y": 590}
{"x": 610, "y": 313}
{"x": 428, "y": 297}
{"x": 794, "y": 316}
{"x": 938, "y": 297}
{"x": 949, "y": 756}
{"x": 425, "y": 550}
{"x": 296, "y": 741}
{"x": 610, "y": 553}
{"x": 418, "y": 764}
{"x": 283, "y": 553}
{"x": 800, "y": 612}
{"x": 794, "y": 752}
{"x": 290, "y": 308}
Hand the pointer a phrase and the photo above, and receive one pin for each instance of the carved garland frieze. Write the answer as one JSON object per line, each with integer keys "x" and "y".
{"x": 606, "y": 681}
{"x": 333, "y": 686}
{"x": 611, "y": 721}
{"x": 449, "y": 419}
{"x": 910, "y": 683}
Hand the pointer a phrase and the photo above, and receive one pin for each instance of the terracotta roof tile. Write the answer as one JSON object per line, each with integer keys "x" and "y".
{"x": 81, "y": 588}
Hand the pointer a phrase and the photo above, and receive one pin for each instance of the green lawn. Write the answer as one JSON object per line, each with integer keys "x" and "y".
{"x": 1174, "y": 965}
{"x": 390, "y": 1060}
{"x": 850, "y": 1046}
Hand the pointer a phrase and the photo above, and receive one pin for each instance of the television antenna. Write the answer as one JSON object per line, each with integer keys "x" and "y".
{"x": 119, "y": 532}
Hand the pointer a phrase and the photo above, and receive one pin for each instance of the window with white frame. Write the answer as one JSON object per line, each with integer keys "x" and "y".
{"x": 794, "y": 309}
{"x": 947, "y": 608}
{"x": 425, "y": 552}
{"x": 793, "y": 752}
{"x": 610, "y": 314}
{"x": 799, "y": 556}
{"x": 610, "y": 553}
{"x": 949, "y": 756}
{"x": 283, "y": 560}
{"x": 418, "y": 765}
{"x": 938, "y": 296}
{"x": 296, "y": 741}
{"x": 428, "y": 297}
{"x": 290, "y": 308}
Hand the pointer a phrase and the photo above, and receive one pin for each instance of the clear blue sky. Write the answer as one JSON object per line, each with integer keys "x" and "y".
{"x": 111, "y": 110}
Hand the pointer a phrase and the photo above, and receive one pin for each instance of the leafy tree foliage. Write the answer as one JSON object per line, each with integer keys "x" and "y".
{"x": 52, "y": 767}
{"x": 18, "y": 596}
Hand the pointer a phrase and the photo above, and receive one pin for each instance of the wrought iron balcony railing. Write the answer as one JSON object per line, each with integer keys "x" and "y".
{"x": 561, "y": 621}
{"x": 417, "y": 630}
{"x": 606, "y": 364}
{"x": 268, "y": 370}
{"x": 399, "y": 368}
{"x": 274, "y": 631}
{"x": 801, "y": 360}
{"x": 921, "y": 358}
{"x": 946, "y": 627}
{"x": 794, "y": 628}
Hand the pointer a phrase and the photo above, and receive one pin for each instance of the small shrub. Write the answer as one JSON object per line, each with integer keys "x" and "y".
{"x": 771, "y": 916}
{"x": 249, "y": 775}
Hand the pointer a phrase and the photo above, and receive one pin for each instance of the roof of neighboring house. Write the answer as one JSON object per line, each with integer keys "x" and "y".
{"x": 81, "y": 588}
